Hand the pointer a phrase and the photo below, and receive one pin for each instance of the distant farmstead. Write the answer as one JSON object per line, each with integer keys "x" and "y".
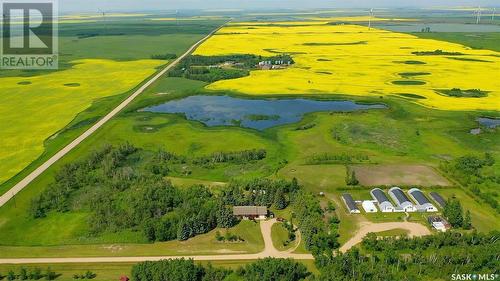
{"x": 250, "y": 212}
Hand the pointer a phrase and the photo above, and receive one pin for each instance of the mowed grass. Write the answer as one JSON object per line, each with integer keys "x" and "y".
{"x": 204, "y": 244}
{"x": 368, "y": 69}
{"x": 279, "y": 235}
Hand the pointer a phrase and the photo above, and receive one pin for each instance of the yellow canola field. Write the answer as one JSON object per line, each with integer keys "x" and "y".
{"x": 31, "y": 113}
{"x": 352, "y": 60}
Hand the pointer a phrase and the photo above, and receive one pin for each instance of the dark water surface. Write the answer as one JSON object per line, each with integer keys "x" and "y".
{"x": 258, "y": 114}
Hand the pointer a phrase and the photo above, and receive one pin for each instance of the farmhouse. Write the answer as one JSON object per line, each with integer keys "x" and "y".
{"x": 401, "y": 200}
{"x": 250, "y": 212}
{"x": 423, "y": 204}
{"x": 369, "y": 206}
{"x": 436, "y": 197}
{"x": 383, "y": 202}
{"x": 350, "y": 204}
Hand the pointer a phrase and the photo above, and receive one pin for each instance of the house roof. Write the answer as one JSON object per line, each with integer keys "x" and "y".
{"x": 249, "y": 210}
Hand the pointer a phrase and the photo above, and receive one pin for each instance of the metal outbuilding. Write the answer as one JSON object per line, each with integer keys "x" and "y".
{"x": 350, "y": 204}
{"x": 423, "y": 204}
{"x": 401, "y": 199}
{"x": 383, "y": 201}
{"x": 440, "y": 200}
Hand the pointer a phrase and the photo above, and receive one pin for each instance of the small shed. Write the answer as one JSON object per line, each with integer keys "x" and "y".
{"x": 250, "y": 212}
{"x": 439, "y": 223}
{"x": 350, "y": 204}
{"x": 369, "y": 206}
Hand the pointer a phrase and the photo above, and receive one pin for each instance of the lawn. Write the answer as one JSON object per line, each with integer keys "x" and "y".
{"x": 204, "y": 244}
{"x": 385, "y": 57}
{"x": 393, "y": 232}
{"x": 279, "y": 234}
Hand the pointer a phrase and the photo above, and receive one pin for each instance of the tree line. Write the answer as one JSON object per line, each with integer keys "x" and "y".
{"x": 476, "y": 174}
{"x": 388, "y": 259}
{"x": 208, "y": 69}
{"x": 268, "y": 269}
{"x": 124, "y": 187}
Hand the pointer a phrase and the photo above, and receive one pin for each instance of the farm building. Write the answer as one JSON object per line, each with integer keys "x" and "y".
{"x": 369, "y": 206}
{"x": 436, "y": 197}
{"x": 350, "y": 204}
{"x": 439, "y": 223}
{"x": 383, "y": 202}
{"x": 423, "y": 204}
{"x": 402, "y": 200}
{"x": 250, "y": 212}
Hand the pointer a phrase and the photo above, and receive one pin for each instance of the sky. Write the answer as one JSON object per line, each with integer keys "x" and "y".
{"x": 148, "y": 5}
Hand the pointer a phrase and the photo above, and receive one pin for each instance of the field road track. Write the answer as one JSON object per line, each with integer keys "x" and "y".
{"x": 414, "y": 229}
{"x": 61, "y": 153}
{"x": 265, "y": 228}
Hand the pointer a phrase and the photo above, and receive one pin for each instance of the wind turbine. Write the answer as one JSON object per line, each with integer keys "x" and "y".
{"x": 370, "y": 19}
{"x": 478, "y": 14}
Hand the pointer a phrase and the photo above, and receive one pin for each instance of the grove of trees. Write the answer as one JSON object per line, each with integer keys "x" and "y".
{"x": 124, "y": 188}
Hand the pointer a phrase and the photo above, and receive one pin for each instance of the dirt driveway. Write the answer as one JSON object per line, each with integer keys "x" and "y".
{"x": 414, "y": 229}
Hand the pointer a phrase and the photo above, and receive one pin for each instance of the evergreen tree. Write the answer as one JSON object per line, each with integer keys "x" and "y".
{"x": 11, "y": 275}
{"x": 225, "y": 217}
{"x": 280, "y": 201}
{"x": 23, "y": 273}
{"x": 184, "y": 232}
{"x": 454, "y": 213}
{"x": 467, "y": 221}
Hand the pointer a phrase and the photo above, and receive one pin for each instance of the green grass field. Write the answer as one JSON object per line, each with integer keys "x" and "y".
{"x": 204, "y": 244}
{"x": 404, "y": 134}
{"x": 279, "y": 235}
{"x": 480, "y": 40}
{"x": 97, "y": 69}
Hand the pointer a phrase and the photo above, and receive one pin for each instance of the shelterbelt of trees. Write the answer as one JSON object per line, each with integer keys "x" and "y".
{"x": 477, "y": 174}
{"x": 208, "y": 69}
{"x": 125, "y": 188}
{"x": 385, "y": 260}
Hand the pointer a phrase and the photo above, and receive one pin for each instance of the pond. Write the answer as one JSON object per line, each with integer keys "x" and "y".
{"x": 489, "y": 122}
{"x": 257, "y": 114}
